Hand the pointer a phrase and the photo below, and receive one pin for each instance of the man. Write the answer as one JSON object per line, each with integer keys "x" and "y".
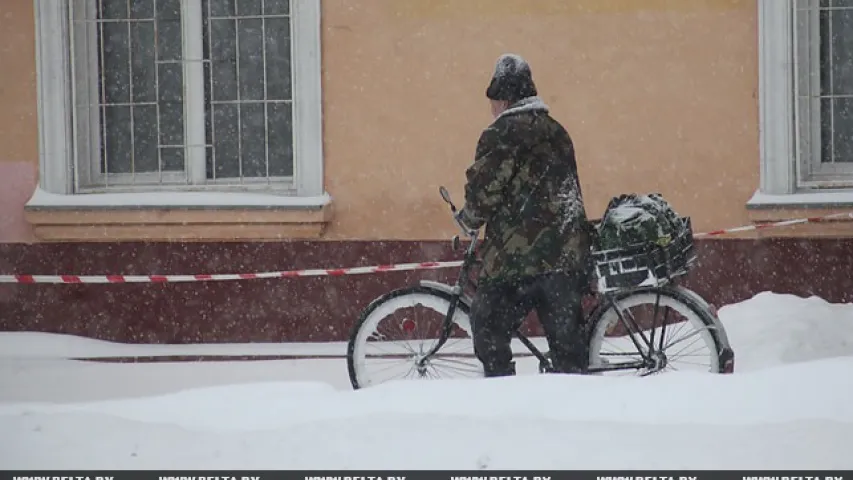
{"x": 524, "y": 187}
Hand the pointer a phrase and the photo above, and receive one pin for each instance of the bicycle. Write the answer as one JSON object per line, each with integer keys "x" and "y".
{"x": 629, "y": 276}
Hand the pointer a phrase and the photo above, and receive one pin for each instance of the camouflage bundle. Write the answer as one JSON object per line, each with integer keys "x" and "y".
{"x": 632, "y": 219}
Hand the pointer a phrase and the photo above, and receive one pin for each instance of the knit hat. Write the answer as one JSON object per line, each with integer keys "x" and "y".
{"x": 512, "y": 80}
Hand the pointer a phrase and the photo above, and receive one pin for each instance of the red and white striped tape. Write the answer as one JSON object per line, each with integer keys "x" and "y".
{"x": 783, "y": 223}
{"x": 334, "y": 272}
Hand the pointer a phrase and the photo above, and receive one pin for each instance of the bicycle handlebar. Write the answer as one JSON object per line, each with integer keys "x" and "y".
{"x": 465, "y": 230}
{"x": 472, "y": 234}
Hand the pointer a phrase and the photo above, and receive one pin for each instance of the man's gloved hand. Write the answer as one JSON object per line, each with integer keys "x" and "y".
{"x": 460, "y": 218}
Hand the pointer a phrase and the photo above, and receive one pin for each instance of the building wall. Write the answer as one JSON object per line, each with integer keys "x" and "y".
{"x": 659, "y": 96}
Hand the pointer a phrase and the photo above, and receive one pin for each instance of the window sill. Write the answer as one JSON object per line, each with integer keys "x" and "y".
{"x": 815, "y": 200}
{"x": 170, "y": 216}
{"x": 763, "y": 208}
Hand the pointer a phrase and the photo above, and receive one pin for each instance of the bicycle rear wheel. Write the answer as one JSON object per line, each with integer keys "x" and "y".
{"x": 686, "y": 335}
{"x": 391, "y": 337}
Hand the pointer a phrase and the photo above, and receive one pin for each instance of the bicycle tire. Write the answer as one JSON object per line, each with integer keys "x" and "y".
{"x": 462, "y": 312}
{"x": 712, "y": 325}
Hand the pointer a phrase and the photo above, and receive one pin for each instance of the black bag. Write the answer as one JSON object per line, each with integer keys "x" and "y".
{"x": 636, "y": 219}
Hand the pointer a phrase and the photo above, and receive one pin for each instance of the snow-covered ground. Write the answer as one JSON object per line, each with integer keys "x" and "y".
{"x": 788, "y": 406}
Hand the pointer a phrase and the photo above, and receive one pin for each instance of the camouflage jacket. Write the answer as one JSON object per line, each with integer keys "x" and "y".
{"x": 524, "y": 187}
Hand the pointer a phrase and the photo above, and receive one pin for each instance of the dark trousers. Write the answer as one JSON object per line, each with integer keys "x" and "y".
{"x": 499, "y": 308}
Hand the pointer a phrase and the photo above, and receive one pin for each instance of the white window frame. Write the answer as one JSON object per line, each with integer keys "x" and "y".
{"x": 786, "y": 144}
{"x": 56, "y": 130}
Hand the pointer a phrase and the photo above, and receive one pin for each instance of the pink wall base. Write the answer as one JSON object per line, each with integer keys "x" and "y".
{"x": 17, "y": 182}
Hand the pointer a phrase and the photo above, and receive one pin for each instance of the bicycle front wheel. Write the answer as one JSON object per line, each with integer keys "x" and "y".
{"x": 654, "y": 330}
{"x": 393, "y": 335}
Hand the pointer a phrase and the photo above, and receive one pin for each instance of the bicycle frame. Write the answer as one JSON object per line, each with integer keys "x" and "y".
{"x": 649, "y": 360}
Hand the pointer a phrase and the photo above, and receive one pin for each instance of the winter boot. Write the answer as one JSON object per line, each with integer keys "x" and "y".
{"x": 506, "y": 371}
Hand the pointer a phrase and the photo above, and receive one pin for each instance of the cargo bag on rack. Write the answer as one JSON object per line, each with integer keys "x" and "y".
{"x": 638, "y": 219}
{"x": 641, "y": 241}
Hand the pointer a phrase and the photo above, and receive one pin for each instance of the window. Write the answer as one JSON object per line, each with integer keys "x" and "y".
{"x": 824, "y": 91}
{"x": 806, "y": 70}
{"x": 180, "y": 95}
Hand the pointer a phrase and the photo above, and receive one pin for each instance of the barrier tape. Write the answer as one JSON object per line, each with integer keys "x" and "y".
{"x": 783, "y": 223}
{"x": 335, "y": 272}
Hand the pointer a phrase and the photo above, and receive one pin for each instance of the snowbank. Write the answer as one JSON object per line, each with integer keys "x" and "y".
{"x": 769, "y": 329}
{"x": 794, "y": 416}
{"x": 772, "y": 329}
{"x": 36, "y": 345}
{"x": 770, "y": 395}
{"x": 788, "y": 406}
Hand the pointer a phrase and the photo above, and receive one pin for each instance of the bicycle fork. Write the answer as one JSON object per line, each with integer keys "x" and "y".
{"x": 446, "y": 329}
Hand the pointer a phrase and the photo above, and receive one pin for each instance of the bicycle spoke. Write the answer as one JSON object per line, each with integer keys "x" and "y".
{"x": 404, "y": 375}
{"x": 435, "y": 371}
{"x": 409, "y": 371}
{"x": 447, "y": 346}
{"x": 470, "y": 369}
{"x": 407, "y": 345}
{"x": 385, "y": 369}
{"x": 675, "y": 355}
{"x": 389, "y": 353}
{"x": 635, "y": 354}
{"x": 374, "y": 345}
{"x": 684, "y": 338}
{"x": 690, "y": 353}
{"x": 455, "y": 369}
{"x": 411, "y": 325}
{"x": 621, "y": 315}
{"x": 676, "y": 344}
{"x": 680, "y": 327}
{"x": 450, "y": 360}
{"x": 384, "y": 335}
{"x": 639, "y": 329}
{"x": 694, "y": 363}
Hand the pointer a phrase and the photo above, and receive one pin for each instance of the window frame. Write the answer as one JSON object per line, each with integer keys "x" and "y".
{"x": 787, "y": 177}
{"x": 812, "y": 173}
{"x": 56, "y": 129}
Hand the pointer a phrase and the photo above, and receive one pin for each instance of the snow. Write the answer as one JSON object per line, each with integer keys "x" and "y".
{"x": 787, "y": 406}
{"x": 42, "y": 198}
{"x": 624, "y": 213}
{"x": 528, "y": 104}
{"x": 571, "y": 202}
{"x": 637, "y": 209}
{"x": 31, "y": 345}
{"x": 843, "y": 198}
{"x": 509, "y": 64}
{"x": 51, "y": 345}
{"x": 771, "y": 330}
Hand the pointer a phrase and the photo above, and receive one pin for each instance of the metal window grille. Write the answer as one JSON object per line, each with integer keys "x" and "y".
{"x": 191, "y": 93}
{"x": 823, "y": 49}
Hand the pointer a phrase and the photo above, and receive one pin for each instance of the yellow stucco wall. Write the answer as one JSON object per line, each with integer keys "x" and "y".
{"x": 658, "y": 96}
{"x": 18, "y": 118}
{"x": 18, "y": 115}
